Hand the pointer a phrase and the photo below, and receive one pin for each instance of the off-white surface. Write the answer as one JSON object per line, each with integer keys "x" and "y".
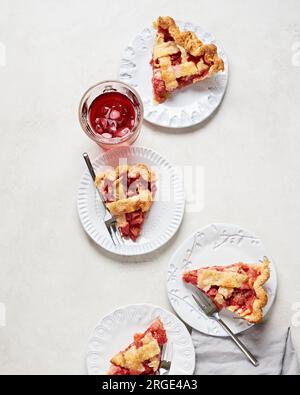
{"x": 55, "y": 283}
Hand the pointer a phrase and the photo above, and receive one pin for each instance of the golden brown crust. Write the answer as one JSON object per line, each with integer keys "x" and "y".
{"x": 142, "y": 202}
{"x": 133, "y": 357}
{"x": 168, "y": 23}
{"x": 168, "y": 74}
{"x": 165, "y": 49}
{"x": 262, "y": 298}
{"x": 225, "y": 279}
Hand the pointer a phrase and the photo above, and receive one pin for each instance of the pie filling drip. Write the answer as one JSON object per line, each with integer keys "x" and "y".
{"x": 143, "y": 356}
{"x": 180, "y": 59}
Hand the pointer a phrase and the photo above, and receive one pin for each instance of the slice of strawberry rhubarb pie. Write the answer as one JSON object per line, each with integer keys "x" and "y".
{"x": 128, "y": 192}
{"x": 143, "y": 356}
{"x": 180, "y": 59}
{"x": 238, "y": 288}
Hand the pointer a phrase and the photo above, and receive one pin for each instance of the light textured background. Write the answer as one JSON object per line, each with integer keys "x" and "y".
{"x": 54, "y": 282}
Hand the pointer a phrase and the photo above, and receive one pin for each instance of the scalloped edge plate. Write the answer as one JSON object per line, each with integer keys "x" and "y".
{"x": 216, "y": 244}
{"x": 187, "y": 107}
{"x": 115, "y": 331}
{"x": 164, "y": 218}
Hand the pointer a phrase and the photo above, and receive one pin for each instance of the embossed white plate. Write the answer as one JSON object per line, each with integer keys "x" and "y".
{"x": 165, "y": 215}
{"x": 115, "y": 332}
{"x": 215, "y": 245}
{"x": 188, "y": 106}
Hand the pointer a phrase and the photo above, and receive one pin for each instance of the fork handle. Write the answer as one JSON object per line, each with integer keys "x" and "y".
{"x": 93, "y": 175}
{"x": 240, "y": 345}
{"x": 90, "y": 166}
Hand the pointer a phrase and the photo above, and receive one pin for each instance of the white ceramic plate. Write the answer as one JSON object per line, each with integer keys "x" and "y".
{"x": 164, "y": 218}
{"x": 115, "y": 332}
{"x": 218, "y": 244}
{"x": 187, "y": 107}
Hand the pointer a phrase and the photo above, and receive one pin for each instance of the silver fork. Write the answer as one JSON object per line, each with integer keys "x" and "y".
{"x": 166, "y": 359}
{"x": 210, "y": 309}
{"x": 109, "y": 220}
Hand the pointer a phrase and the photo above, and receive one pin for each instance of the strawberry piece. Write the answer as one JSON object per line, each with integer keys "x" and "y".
{"x": 138, "y": 338}
{"x": 138, "y": 219}
{"x": 191, "y": 277}
{"x": 128, "y": 217}
{"x": 158, "y": 332}
{"x": 160, "y": 89}
{"x": 135, "y": 232}
{"x": 118, "y": 371}
{"x": 125, "y": 230}
{"x": 148, "y": 370}
{"x": 136, "y": 214}
{"x": 176, "y": 59}
{"x": 213, "y": 292}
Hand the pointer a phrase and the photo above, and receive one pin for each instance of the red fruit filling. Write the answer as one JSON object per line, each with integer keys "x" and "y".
{"x": 165, "y": 32}
{"x": 134, "y": 225}
{"x": 176, "y": 59}
{"x": 159, "y": 86}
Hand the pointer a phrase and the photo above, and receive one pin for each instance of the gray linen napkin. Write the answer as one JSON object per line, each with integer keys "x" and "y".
{"x": 272, "y": 347}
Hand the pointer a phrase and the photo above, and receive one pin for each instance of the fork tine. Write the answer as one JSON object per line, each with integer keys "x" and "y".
{"x": 166, "y": 359}
{"x": 164, "y": 352}
{"x": 168, "y": 352}
{"x": 207, "y": 305}
{"x": 199, "y": 303}
{"x": 203, "y": 298}
{"x": 114, "y": 233}
{"x": 111, "y": 234}
{"x": 117, "y": 234}
{"x": 200, "y": 297}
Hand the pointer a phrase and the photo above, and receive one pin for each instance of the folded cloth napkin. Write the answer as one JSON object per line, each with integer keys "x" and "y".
{"x": 272, "y": 347}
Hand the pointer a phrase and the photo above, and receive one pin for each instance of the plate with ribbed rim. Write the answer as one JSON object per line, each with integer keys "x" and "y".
{"x": 186, "y": 107}
{"x": 115, "y": 332}
{"x": 164, "y": 217}
{"x": 215, "y": 245}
